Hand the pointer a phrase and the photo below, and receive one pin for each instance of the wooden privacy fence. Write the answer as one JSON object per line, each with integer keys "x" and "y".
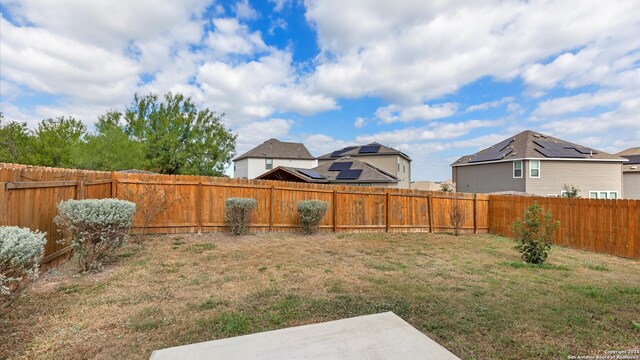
{"x": 605, "y": 226}
{"x": 29, "y": 198}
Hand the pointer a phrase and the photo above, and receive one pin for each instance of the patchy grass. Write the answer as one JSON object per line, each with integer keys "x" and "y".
{"x": 472, "y": 294}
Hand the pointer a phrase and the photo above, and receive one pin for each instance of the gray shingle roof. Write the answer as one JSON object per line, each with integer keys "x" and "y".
{"x": 526, "y": 145}
{"x": 354, "y": 151}
{"x": 276, "y": 149}
{"x": 369, "y": 174}
{"x": 633, "y": 155}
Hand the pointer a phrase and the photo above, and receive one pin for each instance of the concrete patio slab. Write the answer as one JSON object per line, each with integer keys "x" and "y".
{"x": 378, "y": 336}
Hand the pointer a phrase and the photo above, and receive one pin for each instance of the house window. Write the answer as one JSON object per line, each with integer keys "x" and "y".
{"x": 613, "y": 195}
{"x": 517, "y": 169}
{"x": 398, "y": 164}
{"x": 534, "y": 168}
{"x": 268, "y": 164}
{"x": 404, "y": 166}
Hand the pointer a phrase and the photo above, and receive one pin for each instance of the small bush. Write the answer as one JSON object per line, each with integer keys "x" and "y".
{"x": 97, "y": 227}
{"x": 311, "y": 213}
{"x": 534, "y": 233}
{"x": 238, "y": 214}
{"x": 21, "y": 251}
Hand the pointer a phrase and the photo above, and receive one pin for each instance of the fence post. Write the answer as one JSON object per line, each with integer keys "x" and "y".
{"x": 199, "y": 210}
{"x": 388, "y": 212}
{"x": 475, "y": 213}
{"x": 430, "y": 210}
{"x": 335, "y": 211}
{"x": 80, "y": 190}
{"x": 114, "y": 187}
{"x": 3, "y": 204}
{"x": 271, "y": 207}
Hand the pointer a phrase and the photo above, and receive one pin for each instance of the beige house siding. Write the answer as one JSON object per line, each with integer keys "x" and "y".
{"x": 585, "y": 175}
{"x": 487, "y": 178}
{"x": 631, "y": 185}
{"x": 388, "y": 164}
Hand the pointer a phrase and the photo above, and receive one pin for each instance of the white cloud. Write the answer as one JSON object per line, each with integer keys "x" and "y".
{"x": 278, "y": 23}
{"x": 424, "y": 50}
{"x": 360, "y": 122}
{"x": 278, "y": 5}
{"x": 490, "y": 104}
{"x": 433, "y": 131}
{"x": 257, "y": 89}
{"x": 397, "y": 113}
{"x": 581, "y": 102}
{"x": 254, "y": 133}
{"x": 244, "y": 10}
{"x": 232, "y": 38}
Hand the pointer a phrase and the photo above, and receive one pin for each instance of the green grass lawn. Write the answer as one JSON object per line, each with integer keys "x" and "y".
{"x": 471, "y": 294}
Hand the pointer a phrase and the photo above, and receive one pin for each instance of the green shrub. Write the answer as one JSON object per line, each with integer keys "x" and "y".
{"x": 534, "y": 233}
{"x": 21, "y": 251}
{"x": 238, "y": 213}
{"x": 311, "y": 213}
{"x": 97, "y": 227}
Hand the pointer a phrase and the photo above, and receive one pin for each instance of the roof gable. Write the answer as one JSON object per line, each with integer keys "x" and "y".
{"x": 371, "y": 149}
{"x": 276, "y": 149}
{"x": 534, "y": 145}
{"x": 343, "y": 170}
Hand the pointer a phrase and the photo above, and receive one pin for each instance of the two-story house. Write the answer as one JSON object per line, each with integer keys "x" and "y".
{"x": 631, "y": 173}
{"x": 539, "y": 164}
{"x": 391, "y": 161}
{"x": 271, "y": 154}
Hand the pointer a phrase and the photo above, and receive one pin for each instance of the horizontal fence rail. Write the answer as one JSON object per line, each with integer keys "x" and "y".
{"x": 604, "y": 226}
{"x": 195, "y": 204}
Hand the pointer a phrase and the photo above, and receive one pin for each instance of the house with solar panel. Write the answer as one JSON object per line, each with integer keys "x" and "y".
{"x": 631, "y": 173}
{"x": 271, "y": 154}
{"x": 535, "y": 163}
{"x": 343, "y": 171}
{"x": 389, "y": 160}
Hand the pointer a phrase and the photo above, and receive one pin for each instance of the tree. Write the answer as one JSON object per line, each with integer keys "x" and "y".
{"x": 178, "y": 137}
{"x": 457, "y": 217}
{"x": 534, "y": 234}
{"x": 446, "y": 187}
{"x": 55, "y": 140}
{"x": 110, "y": 149}
{"x": 16, "y": 142}
{"x": 570, "y": 191}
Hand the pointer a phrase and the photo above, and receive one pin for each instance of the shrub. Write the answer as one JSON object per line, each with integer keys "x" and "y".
{"x": 311, "y": 213}
{"x": 570, "y": 192}
{"x": 97, "y": 227}
{"x": 238, "y": 213}
{"x": 534, "y": 233}
{"x": 21, "y": 251}
{"x": 457, "y": 217}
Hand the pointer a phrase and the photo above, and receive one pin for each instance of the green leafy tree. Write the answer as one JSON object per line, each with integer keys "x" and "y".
{"x": 110, "y": 148}
{"x": 570, "y": 192}
{"x": 16, "y": 142}
{"x": 178, "y": 137}
{"x": 55, "y": 140}
{"x": 534, "y": 234}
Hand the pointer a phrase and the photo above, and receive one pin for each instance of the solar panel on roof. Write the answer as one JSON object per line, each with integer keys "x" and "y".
{"x": 496, "y": 152}
{"x": 349, "y": 174}
{"x": 582, "y": 150}
{"x": 340, "y": 152}
{"x": 310, "y": 173}
{"x": 369, "y": 149}
{"x": 556, "y": 150}
{"x": 338, "y": 166}
{"x": 633, "y": 159}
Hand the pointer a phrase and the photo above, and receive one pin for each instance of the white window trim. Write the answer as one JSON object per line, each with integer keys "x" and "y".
{"x": 562, "y": 193}
{"x": 521, "y": 169}
{"x": 266, "y": 164}
{"x": 530, "y": 168}
{"x": 609, "y": 192}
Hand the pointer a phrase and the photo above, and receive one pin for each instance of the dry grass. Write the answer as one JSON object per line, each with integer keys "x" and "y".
{"x": 470, "y": 293}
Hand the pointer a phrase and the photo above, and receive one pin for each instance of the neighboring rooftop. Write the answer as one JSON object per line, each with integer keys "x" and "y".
{"x": 633, "y": 155}
{"x": 534, "y": 145}
{"x": 276, "y": 149}
{"x": 363, "y": 150}
{"x": 343, "y": 170}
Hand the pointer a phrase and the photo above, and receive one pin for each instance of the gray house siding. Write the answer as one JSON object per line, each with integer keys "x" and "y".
{"x": 585, "y": 175}
{"x": 487, "y": 178}
{"x": 631, "y": 185}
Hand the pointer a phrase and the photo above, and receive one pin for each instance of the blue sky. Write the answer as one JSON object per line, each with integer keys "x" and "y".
{"x": 435, "y": 79}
